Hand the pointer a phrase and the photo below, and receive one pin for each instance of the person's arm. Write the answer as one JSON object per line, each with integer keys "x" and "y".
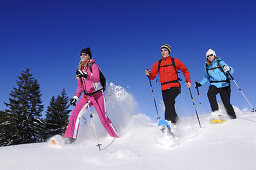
{"x": 79, "y": 88}
{"x": 153, "y": 71}
{"x": 180, "y": 66}
{"x": 206, "y": 77}
{"x": 226, "y": 67}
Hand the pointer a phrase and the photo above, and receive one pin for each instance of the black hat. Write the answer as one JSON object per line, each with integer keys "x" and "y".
{"x": 87, "y": 51}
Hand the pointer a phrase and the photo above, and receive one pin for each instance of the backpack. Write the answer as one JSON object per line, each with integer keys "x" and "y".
{"x": 174, "y": 66}
{"x": 221, "y": 69}
{"x": 103, "y": 80}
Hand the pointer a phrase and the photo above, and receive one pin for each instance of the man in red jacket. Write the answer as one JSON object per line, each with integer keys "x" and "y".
{"x": 169, "y": 80}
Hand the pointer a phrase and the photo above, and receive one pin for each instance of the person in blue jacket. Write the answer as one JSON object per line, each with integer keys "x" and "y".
{"x": 216, "y": 72}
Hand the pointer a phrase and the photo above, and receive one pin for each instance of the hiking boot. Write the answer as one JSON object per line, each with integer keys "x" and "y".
{"x": 69, "y": 140}
{"x": 232, "y": 117}
{"x": 172, "y": 125}
{"x": 217, "y": 115}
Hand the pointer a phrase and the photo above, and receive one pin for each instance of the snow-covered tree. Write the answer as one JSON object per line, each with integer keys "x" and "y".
{"x": 5, "y": 128}
{"x": 24, "y": 112}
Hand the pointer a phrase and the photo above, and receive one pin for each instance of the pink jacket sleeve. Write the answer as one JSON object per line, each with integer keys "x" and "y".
{"x": 79, "y": 88}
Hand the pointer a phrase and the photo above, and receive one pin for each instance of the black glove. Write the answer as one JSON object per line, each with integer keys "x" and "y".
{"x": 197, "y": 84}
{"x": 73, "y": 101}
{"x": 81, "y": 74}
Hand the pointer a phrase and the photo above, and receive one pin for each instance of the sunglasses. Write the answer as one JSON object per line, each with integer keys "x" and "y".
{"x": 84, "y": 54}
{"x": 163, "y": 50}
{"x": 210, "y": 55}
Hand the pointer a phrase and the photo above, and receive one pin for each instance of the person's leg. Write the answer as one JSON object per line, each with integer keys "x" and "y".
{"x": 74, "y": 120}
{"x": 225, "y": 97}
{"x": 169, "y": 96}
{"x": 212, "y": 92}
{"x": 98, "y": 101}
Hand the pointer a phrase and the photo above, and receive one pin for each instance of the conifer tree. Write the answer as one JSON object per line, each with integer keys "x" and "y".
{"x": 24, "y": 111}
{"x": 5, "y": 128}
{"x": 56, "y": 120}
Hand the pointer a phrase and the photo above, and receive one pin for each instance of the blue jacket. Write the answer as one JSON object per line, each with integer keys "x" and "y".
{"x": 216, "y": 74}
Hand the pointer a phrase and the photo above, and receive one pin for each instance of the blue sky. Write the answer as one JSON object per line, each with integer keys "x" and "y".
{"x": 125, "y": 39}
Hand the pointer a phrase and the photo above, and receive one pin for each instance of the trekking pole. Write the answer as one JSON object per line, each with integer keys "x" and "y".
{"x": 253, "y": 110}
{"x": 158, "y": 117}
{"x": 88, "y": 102}
{"x": 199, "y": 99}
{"x": 91, "y": 116}
{"x": 198, "y": 96}
{"x": 194, "y": 107}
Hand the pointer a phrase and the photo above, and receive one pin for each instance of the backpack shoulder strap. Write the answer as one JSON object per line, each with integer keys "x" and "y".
{"x": 206, "y": 67}
{"x": 219, "y": 66}
{"x": 90, "y": 66}
{"x": 159, "y": 62}
{"x": 221, "y": 69}
{"x": 174, "y": 66}
{"x": 173, "y": 63}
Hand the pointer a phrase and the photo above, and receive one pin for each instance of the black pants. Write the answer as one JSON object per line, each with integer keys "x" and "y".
{"x": 169, "y": 96}
{"x": 225, "y": 97}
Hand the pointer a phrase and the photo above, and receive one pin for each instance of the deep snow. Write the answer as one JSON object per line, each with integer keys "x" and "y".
{"x": 231, "y": 145}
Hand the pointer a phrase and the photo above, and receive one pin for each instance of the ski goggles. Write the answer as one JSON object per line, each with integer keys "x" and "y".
{"x": 83, "y": 54}
{"x": 163, "y": 50}
{"x": 210, "y": 55}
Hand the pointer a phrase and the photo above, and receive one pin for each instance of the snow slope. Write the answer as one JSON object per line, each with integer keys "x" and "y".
{"x": 231, "y": 145}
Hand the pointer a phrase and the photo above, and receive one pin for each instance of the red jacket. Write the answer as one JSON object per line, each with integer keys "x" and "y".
{"x": 168, "y": 73}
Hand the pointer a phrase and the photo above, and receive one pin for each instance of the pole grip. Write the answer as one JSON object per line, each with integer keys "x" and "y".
{"x": 190, "y": 93}
{"x": 231, "y": 76}
{"x": 197, "y": 90}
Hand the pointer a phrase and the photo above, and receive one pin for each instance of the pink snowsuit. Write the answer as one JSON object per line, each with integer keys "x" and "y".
{"x": 91, "y": 84}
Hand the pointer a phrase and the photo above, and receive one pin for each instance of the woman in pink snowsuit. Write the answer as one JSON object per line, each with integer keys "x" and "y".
{"x": 94, "y": 95}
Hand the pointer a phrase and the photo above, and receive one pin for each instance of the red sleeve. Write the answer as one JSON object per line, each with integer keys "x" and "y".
{"x": 180, "y": 66}
{"x": 154, "y": 71}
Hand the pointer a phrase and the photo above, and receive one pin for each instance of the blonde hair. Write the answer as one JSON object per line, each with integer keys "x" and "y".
{"x": 209, "y": 62}
{"x": 82, "y": 64}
